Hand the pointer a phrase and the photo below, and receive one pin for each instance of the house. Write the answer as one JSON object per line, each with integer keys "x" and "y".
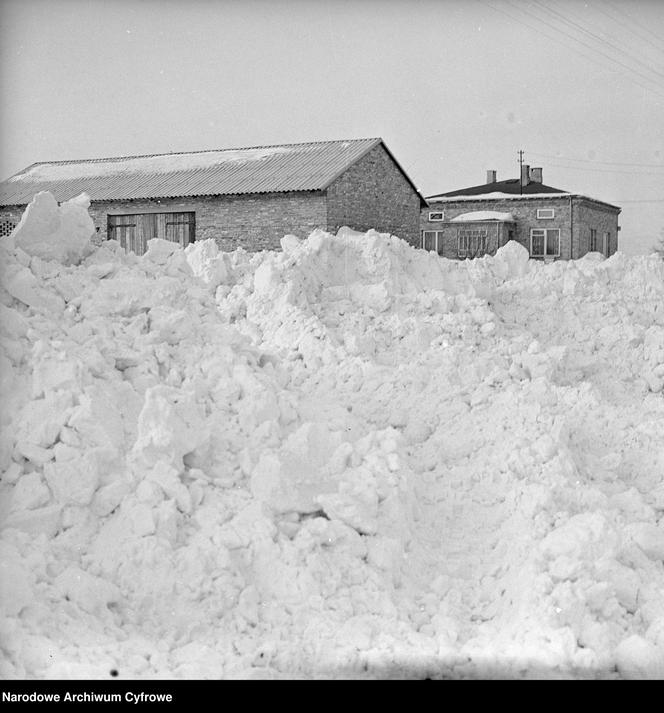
{"x": 551, "y": 223}
{"x": 249, "y": 197}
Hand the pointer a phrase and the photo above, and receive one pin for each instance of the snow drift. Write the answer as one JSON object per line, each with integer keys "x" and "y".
{"x": 350, "y": 458}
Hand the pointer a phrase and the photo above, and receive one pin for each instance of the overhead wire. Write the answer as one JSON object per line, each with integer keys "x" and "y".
{"x": 607, "y": 170}
{"x": 602, "y": 9}
{"x": 571, "y": 23}
{"x": 587, "y": 160}
{"x": 568, "y": 46}
{"x": 631, "y": 19}
{"x": 538, "y": 19}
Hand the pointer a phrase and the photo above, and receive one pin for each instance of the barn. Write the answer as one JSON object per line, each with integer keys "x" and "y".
{"x": 245, "y": 197}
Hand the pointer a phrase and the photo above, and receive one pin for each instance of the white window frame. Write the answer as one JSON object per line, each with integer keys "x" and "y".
{"x": 441, "y": 213}
{"x": 546, "y": 213}
{"x": 465, "y": 239}
{"x": 545, "y": 232}
{"x": 438, "y": 240}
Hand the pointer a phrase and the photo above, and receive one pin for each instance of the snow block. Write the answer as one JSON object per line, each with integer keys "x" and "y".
{"x": 54, "y": 232}
{"x": 638, "y": 658}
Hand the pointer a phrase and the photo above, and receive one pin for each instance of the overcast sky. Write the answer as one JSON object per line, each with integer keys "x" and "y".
{"x": 454, "y": 88}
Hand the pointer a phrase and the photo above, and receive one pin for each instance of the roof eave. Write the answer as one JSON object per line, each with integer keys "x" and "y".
{"x": 531, "y": 196}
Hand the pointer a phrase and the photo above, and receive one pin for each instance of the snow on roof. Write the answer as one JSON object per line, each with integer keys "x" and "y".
{"x": 483, "y": 215}
{"x": 497, "y": 195}
{"x": 166, "y": 163}
{"x": 515, "y": 197}
{"x": 308, "y": 166}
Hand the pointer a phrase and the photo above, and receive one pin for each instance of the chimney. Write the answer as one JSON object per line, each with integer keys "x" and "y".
{"x": 525, "y": 175}
{"x": 490, "y": 176}
{"x": 536, "y": 175}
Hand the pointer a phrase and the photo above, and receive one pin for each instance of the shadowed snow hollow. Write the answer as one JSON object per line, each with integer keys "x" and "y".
{"x": 350, "y": 458}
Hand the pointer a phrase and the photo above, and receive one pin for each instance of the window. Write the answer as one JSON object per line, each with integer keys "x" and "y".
{"x": 471, "y": 242}
{"x": 436, "y": 215}
{"x": 432, "y": 240}
{"x": 6, "y": 227}
{"x": 607, "y": 244}
{"x": 593, "y": 240}
{"x": 545, "y": 243}
{"x": 545, "y": 213}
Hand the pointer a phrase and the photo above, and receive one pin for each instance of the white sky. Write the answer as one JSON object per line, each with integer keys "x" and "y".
{"x": 454, "y": 88}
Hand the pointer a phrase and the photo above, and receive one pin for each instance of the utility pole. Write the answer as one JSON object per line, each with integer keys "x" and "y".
{"x": 520, "y": 152}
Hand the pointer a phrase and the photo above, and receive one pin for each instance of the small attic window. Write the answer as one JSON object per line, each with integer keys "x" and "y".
{"x": 437, "y": 215}
{"x": 545, "y": 213}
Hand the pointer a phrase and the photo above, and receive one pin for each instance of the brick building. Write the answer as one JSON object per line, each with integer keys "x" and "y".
{"x": 249, "y": 197}
{"x": 551, "y": 223}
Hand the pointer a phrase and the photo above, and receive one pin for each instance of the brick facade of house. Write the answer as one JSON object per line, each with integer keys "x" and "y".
{"x": 574, "y": 216}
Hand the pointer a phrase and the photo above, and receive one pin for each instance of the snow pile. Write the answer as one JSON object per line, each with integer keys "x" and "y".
{"x": 53, "y": 232}
{"x": 347, "y": 459}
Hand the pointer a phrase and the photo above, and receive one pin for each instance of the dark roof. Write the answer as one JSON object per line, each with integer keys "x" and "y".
{"x": 512, "y": 186}
{"x": 259, "y": 169}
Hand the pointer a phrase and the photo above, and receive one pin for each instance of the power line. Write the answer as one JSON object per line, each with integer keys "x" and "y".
{"x": 561, "y": 18}
{"x": 607, "y": 170}
{"x": 609, "y": 163}
{"x": 624, "y": 26}
{"x": 654, "y": 200}
{"x": 584, "y": 44}
{"x": 636, "y": 24}
{"x": 539, "y": 30}
{"x": 576, "y": 49}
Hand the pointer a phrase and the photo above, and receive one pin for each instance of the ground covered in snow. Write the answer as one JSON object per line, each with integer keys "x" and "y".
{"x": 348, "y": 459}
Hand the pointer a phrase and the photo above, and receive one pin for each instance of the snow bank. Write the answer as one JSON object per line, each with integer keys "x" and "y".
{"x": 350, "y": 458}
{"x": 53, "y": 232}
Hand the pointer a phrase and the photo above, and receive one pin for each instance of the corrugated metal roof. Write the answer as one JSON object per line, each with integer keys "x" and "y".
{"x": 259, "y": 169}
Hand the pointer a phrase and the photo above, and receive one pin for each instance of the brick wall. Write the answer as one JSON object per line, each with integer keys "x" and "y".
{"x": 374, "y": 193}
{"x": 589, "y": 215}
{"x": 523, "y": 210}
{"x": 574, "y": 217}
{"x": 254, "y": 222}
{"x": 498, "y": 233}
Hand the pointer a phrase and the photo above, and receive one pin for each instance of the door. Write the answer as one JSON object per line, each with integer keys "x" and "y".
{"x": 123, "y": 229}
{"x": 134, "y": 231}
{"x": 180, "y": 228}
{"x": 147, "y": 229}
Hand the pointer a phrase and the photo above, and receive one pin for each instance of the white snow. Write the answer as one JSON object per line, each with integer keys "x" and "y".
{"x": 54, "y": 232}
{"x": 499, "y": 195}
{"x": 348, "y": 459}
{"x": 496, "y": 195}
{"x": 165, "y": 163}
{"x": 483, "y": 215}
